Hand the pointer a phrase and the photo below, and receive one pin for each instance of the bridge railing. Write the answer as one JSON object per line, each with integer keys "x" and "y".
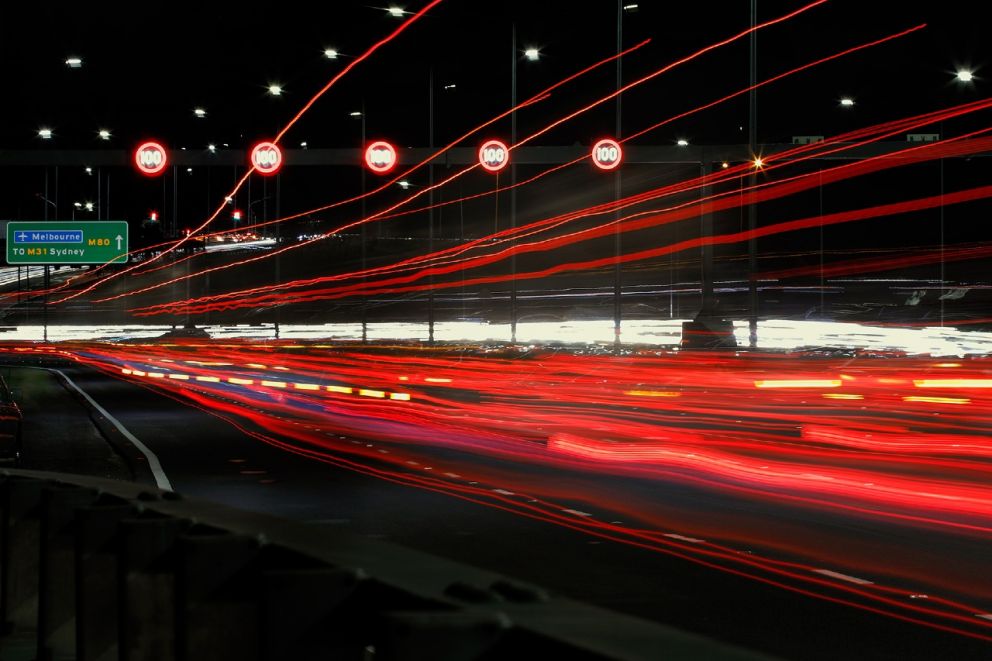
{"x": 101, "y": 569}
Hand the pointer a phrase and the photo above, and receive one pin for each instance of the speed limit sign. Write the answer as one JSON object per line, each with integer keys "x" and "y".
{"x": 151, "y": 158}
{"x": 266, "y": 158}
{"x": 380, "y": 157}
{"x": 494, "y": 155}
{"x": 606, "y": 154}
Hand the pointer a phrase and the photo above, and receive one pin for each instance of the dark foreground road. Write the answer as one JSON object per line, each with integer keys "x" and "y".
{"x": 208, "y": 458}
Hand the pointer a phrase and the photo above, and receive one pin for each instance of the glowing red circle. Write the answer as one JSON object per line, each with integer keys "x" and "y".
{"x": 607, "y": 154}
{"x": 494, "y": 155}
{"x": 151, "y": 158}
{"x": 380, "y": 157}
{"x": 266, "y": 158}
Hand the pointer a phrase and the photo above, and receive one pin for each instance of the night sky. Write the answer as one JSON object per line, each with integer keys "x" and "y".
{"x": 147, "y": 66}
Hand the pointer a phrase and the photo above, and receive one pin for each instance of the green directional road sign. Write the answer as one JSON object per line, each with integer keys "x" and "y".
{"x": 67, "y": 242}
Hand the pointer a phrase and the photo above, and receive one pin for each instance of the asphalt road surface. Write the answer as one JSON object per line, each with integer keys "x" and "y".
{"x": 208, "y": 458}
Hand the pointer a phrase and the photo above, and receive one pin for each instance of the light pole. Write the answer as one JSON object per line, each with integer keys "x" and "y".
{"x": 360, "y": 114}
{"x": 513, "y": 181}
{"x": 617, "y": 245}
{"x": 430, "y": 203}
{"x": 533, "y": 55}
{"x": 47, "y": 202}
{"x": 752, "y": 217}
{"x": 27, "y": 270}
{"x": 251, "y": 204}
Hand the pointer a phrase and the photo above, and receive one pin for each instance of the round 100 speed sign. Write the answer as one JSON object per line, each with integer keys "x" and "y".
{"x": 151, "y": 158}
{"x": 494, "y": 155}
{"x": 380, "y": 157}
{"x": 606, "y": 154}
{"x": 266, "y": 158}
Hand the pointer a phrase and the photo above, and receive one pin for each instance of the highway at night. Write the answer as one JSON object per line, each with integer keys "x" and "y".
{"x": 356, "y": 332}
{"x": 811, "y": 484}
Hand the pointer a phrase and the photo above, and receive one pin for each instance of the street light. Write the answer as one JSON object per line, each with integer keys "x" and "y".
{"x": 964, "y": 76}
{"x": 45, "y": 134}
{"x": 331, "y": 53}
{"x": 200, "y": 112}
{"x": 355, "y": 113}
{"x": 532, "y": 54}
{"x": 47, "y": 203}
{"x": 682, "y": 142}
{"x": 104, "y": 134}
{"x": 81, "y": 206}
{"x": 275, "y": 89}
{"x": 74, "y": 62}
{"x": 212, "y": 148}
{"x": 847, "y": 102}
{"x": 395, "y": 12}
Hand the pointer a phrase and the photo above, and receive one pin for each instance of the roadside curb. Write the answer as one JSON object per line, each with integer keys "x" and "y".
{"x": 133, "y": 457}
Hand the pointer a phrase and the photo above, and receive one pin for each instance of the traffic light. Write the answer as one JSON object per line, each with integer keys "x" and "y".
{"x": 153, "y": 216}
{"x": 236, "y": 215}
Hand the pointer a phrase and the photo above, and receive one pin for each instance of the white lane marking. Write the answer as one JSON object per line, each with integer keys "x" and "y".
{"x": 504, "y": 492}
{"x": 153, "y": 463}
{"x": 452, "y": 475}
{"x": 683, "y": 538}
{"x": 843, "y": 577}
{"x": 577, "y": 512}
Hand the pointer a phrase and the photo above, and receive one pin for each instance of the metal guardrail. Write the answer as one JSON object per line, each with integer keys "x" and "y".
{"x": 99, "y": 569}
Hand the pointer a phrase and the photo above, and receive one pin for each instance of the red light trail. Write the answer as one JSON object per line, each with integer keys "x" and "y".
{"x": 525, "y": 140}
{"x": 640, "y": 221}
{"x": 351, "y": 65}
{"x": 700, "y": 421}
{"x": 893, "y": 127}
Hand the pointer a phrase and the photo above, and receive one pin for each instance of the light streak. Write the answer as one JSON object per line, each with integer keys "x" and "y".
{"x": 540, "y": 96}
{"x": 936, "y": 400}
{"x": 368, "y": 53}
{"x": 551, "y": 126}
{"x": 798, "y": 383}
{"x": 881, "y": 211}
{"x": 952, "y": 146}
{"x": 952, "y": 383}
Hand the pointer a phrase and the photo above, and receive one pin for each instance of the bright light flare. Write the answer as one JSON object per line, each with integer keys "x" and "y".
{"x": 952, "y": 383}
{"x": 937, "y": 400}
{"x": 964, "y": 75}
{"x": 798, "y": 383}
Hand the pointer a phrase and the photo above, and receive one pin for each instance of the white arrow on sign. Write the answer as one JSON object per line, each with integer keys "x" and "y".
{"x": 119, "y": 239}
